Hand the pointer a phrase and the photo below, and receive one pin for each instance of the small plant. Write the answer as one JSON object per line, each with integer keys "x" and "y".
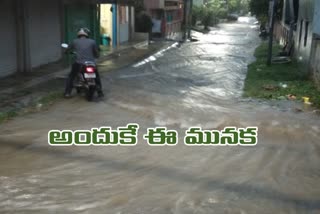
{"x": 196, "y": 15}
{"x": 4, "y": 116}
{"x": 279, "y": 81}
{"x": 207, "y": 17}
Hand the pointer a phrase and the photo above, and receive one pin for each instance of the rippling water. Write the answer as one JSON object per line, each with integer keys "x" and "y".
{"x": 195, "y": 84}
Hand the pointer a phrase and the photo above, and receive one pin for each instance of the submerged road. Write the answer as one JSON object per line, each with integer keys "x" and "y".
{"x": 193, "y": 84}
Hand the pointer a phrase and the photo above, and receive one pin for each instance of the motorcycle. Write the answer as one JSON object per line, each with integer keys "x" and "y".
{"x": 86, "y": 78}
{"x": 263, "y": 32}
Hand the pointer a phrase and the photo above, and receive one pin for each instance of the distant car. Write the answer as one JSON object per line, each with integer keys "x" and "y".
{"x": 256, "y": 23}
{"x": 233, "y": 17}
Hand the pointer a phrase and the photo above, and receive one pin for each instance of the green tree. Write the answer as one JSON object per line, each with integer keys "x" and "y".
{"x": 213, "y": 10}
{"x": 260, "y": 9}
{"x": 138, "y": 5}
{"x": 238, "y": 6}
{"x": 196, "y": 14}
{"x": 207, "y": 17}
{"x": 234, "y": 6}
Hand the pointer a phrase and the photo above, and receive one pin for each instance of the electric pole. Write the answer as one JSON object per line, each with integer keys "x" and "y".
{"x": 272, "y": 20}
{"x": 185, "y": 19}
{"x": 190, "y": 18}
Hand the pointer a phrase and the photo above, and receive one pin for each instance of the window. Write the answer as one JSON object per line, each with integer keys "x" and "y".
{"x": 296, "y": 9}
{"x": 300, "y": 33}
{"x": 306, "y": 34}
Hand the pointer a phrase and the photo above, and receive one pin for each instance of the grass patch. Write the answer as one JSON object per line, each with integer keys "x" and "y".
{"x": 43, "y": 103}
{"x": 5, "y": 116}
{"x": 50, "y": 98}
{"x": 265, "y": 81}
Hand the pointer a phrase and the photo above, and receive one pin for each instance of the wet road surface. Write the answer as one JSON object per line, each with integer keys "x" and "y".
{"x": 194, "y": 84}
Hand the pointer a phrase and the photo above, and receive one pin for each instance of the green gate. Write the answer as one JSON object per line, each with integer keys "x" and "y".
{"x": 78, "y": 15}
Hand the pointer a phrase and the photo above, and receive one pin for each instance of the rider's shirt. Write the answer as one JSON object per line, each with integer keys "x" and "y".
{"x": 86, "y": 50}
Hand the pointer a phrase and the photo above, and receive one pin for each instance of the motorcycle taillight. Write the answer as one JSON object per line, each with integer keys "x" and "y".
{"x": 90, "y": 70}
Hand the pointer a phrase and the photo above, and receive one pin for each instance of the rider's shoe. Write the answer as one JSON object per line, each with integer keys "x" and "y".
{"x": 67, "y": 95}
{"x": 100, "y": 94}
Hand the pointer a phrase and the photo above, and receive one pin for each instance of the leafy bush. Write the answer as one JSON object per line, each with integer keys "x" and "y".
{"x": 207, "y": 17}
{"x": 196, "y": 14}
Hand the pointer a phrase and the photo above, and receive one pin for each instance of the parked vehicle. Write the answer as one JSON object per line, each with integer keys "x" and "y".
{"x": 233, "y": 17}
{"x": 263, "y": 32}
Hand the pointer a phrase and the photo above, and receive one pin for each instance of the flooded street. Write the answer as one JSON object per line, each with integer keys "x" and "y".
{"x": 193, "y": 84}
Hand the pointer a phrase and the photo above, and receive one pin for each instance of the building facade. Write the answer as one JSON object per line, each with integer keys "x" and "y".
{"x": 31, "y": 36}
{"x": 304, "y": 35}
{"x": 314, "y": 63}
{"x": 33, "y": 30}
{"x": 307, "y": 39}
{"x": 117, "y": 22}
{"x": 286, "y": 27}
{"x": 167, "y": 15}
{"x": 301, "y": 24}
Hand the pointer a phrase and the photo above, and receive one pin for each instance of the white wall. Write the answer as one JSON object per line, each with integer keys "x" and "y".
{"x": 124, "y": 28}
{"x": 106, "y": 19}
{"x": 315, "y": 53}
{"x": 316, "y": 26}
{"x": 306, "y": 12}
{"x": 124, "y": 32}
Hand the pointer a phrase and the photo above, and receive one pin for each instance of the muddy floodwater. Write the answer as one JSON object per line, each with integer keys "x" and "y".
{"x": 192, "y": 84}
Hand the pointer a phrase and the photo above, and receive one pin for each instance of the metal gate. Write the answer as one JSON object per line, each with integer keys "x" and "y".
{"x": 8, "y": 50}
{"x": 82, "y": 15}
{"x": 44, "y": 31}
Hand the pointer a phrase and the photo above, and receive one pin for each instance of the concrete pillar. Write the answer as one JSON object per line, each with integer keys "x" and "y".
{"x": 23, "y": 41}
{"x": 130, "y": 23}
{"x": 291, "y": 10}
{"x": 114, "y": 26}
{"x": 118, "y": 25}
{"x": 190, "y": 18}
{"x": 62, "y": 23}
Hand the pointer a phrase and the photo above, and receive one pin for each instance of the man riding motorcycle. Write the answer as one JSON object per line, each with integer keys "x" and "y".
{"x": 85, "y": 49}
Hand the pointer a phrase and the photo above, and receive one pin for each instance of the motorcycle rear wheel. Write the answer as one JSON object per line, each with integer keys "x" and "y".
{"x": 90, "y": 93}
{"x": 78, "y": 89}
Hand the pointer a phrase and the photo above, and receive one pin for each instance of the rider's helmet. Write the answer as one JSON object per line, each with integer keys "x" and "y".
{"x": 83, "y": 32}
